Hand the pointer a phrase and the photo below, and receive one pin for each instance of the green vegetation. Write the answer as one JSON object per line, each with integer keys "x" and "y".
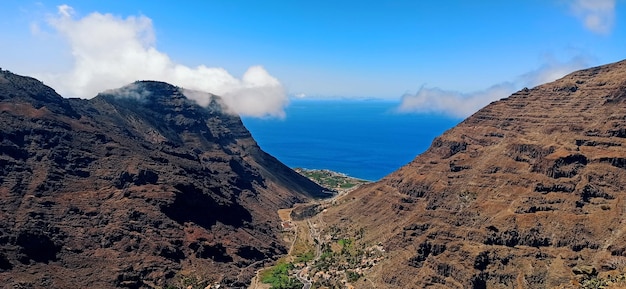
{"x": 344, "y": 256}
{"x": 597, "y": 283}
{"x": 352, "y": 276}
{"x": 345, "y": 243}
{"x": 594, "y": 283}
{"x": 306, "y": 256}
{"x": 331, "y": 180}
{"x": 279, "y": 277}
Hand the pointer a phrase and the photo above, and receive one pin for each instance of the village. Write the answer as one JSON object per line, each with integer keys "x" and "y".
{"x": 320, "y": 256}
{"x": 330, "y": 258}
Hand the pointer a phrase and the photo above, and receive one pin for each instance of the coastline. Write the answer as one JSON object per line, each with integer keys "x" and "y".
{"x": 335, "y": 182}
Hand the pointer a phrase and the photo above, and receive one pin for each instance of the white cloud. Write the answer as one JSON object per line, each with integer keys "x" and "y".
{"x": 129, "y": 91}
{"x": 110, "y": 51}
{"x": 597, "y": 15}
{"x": 452, "y": 103}
{"x": 553, "y": 69}
{"x": 459, "y": 104}
{"x": 65, "y": 10}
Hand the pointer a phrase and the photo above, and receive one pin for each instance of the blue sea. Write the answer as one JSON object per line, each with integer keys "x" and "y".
{"x": 365, "y": 139}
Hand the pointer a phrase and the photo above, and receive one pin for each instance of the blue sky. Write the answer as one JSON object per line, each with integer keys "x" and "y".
{"x": 433, "y": 56}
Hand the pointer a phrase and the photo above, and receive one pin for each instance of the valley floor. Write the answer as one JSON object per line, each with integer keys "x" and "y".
{"x": 320, "y": 256}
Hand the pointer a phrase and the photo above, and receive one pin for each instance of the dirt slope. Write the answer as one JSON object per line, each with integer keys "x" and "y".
{"x": 522, "y": 194}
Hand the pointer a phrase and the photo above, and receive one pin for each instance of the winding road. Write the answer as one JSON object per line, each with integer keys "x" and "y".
{"x": 306, "y": 283}
{"x": 318, "y": 252}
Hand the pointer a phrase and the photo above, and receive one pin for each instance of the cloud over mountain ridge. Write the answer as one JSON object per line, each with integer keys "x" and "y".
{"x": 109, "y": 51}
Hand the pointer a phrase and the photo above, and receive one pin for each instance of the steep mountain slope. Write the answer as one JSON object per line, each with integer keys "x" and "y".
{"x": 137, "y": 187}
{"x": 525, "y": 193}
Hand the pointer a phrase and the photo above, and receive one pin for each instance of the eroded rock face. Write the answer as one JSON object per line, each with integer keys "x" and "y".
{"x": 515, "y": 196}
{"x": 132, "y": 189}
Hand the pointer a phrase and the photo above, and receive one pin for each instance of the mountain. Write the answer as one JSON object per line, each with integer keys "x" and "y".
{"x": 138, "y": 187}
{"x": 526, "y": 193}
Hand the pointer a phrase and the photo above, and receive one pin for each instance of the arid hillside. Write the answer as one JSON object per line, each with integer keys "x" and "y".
{"x": 526, "y": 193}
{"x": 138, "y": 187}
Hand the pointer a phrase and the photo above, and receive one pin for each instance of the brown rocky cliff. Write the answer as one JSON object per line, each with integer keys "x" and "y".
{"x": 138, "y": 187}
{"x": 516, "y": 196}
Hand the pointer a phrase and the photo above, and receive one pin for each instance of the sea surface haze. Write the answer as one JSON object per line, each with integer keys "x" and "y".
{"x": 366, "y": 139}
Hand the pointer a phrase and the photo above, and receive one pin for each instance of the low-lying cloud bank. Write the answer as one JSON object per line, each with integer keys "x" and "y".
{"x": 460, "y": 105}
{"x": 110, "y": 51}
{"x": 452, "y": 103}
{"x": 597, "y": 16}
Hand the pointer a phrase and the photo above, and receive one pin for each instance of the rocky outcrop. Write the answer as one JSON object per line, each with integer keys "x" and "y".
{"x": 518, "y": 195}
{"x": 302, "y": 212}
{"x": 138, "y": 187}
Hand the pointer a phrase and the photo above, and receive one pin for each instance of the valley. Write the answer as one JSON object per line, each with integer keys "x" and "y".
{"x": 159, "y": 192}
{"x": 320, "y": 256}
{"x": 313, "y": 144}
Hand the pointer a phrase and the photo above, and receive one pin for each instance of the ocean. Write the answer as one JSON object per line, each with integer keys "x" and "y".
{"x": 366, "y": 139}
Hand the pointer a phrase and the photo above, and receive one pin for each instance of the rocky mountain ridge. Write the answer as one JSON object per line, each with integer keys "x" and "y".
{"x": 522, "y": 194}
{"x": 138, "y": 187}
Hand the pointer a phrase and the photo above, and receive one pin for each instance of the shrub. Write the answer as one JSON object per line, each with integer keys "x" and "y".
{"x": 278, "y": 277}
